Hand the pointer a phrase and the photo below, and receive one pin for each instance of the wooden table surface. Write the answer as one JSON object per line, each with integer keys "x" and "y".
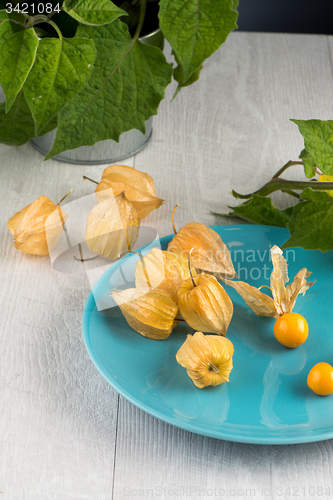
{"x": 65, "y": 433}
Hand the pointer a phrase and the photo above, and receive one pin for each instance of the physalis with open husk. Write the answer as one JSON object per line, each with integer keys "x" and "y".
{"x": 210, "y": 254}
{"x": 38, "y": 226}
{"x": 138, "y": 187}
{"x": 204, "y": 304}
{"x": 153, "y": 314}
{"x": 207, "y": 359}
{"x": 112, "y": 227}
{"x": 284, "y": 297}
{"x": 162, "y": 270}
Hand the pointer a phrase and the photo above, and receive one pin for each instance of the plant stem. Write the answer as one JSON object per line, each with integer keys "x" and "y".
{"x": 44, "y": 19}
{"x": 290, "y": 163}
{"x": 173, "y": 219}
{"x": 278, "y": 184}
{"x": 88, "y": 179}
{"x": 140, "y": 22}
{"x": 292, "y": 193}
{"x": 64, "y": 197}
{"x": 213, "y": 367}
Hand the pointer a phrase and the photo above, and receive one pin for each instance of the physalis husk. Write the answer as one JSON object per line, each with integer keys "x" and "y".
{"x": 138, "y": 187}
{"x": 152, "y": 314}
{"x": 162, "y": 270}
{"x": 37, "y": 227}
{"x": 207, "y": 359}
{"x": 284, "y": 297}
{"x": 112, "y": 227}
{"x": 205, "y": 305}
{"x": 210, "y": 254}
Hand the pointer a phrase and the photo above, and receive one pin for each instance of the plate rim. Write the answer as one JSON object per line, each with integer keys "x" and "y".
{"x": 226, "y": 436}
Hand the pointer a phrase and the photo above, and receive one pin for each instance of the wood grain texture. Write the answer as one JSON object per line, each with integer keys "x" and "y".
{"x": 61, "y": 433}
{"x": 58, "y": 416}
{"x": 233, "y": 132}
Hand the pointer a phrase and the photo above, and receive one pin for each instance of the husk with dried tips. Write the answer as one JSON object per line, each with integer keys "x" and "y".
{"x": 138, "y": 187}
{"x": 162, "y": 270}
{"x": 152, "y": 314}
{"x": 37, "y": 227}
{"x": 112, "y": 227}
{"x": 284, "y": 297}
{"x": 207, "y": 359}
{"x": 210, "y": 254}
{"x": 206, "y": 307}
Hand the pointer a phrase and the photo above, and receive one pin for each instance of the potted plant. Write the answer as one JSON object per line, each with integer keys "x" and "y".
{"x": 78, "y": 66}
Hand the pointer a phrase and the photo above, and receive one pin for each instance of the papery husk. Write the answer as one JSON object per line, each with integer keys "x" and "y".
{"x": 260, "y": 303}
{"x": 210, "y": 254}
{"x": 152, "y": 314}
{"x": 37, "y": 227}
{"x": 299, "y": 285}
{"x": 139, "y": 188}
{"x": 112, "y": 227}
{"x": 284, "y": 297}
{"x": 162, "y": 270}
{"x": 206, "y": 307}
{"x": 207, "y": 359}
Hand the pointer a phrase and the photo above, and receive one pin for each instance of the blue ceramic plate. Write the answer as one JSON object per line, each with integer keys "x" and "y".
{"x": 267, "y": 400}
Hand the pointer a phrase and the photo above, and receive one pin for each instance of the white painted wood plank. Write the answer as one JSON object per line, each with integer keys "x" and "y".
{"x": 229, "y": 130}
{"x": 58, "y": 416}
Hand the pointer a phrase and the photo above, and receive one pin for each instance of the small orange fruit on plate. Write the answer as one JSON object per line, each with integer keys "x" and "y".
{"x": 291, "y": 329}
{"x": 320, "y": 379}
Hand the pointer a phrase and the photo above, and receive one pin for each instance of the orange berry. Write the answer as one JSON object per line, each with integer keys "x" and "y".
{"x": 320, "y": 379}
{"x": 291, "y": 329}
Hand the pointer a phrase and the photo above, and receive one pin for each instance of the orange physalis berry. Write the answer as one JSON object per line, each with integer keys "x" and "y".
{"x": 320, "y": 379}
{"x": 291, "y": 329}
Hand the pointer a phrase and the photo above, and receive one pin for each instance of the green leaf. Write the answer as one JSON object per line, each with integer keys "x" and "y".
{"x": 18, "y": 51}
{"x": 318, "y": 141}
{"x": 51, "y": 125}
{"x": 13, "y": 16}
{"x": 93, "y": 12}
{"x": 196, "y": 28}
{"x": 178, "y": 75}
{"x": 17, "y": 126}
{"x": 309, "y": 164}
{"x": 311, "y": 224}
{"x": 261, "y": 210}
{"x": 61, "y": 70}
{"x": 124, "y": 90}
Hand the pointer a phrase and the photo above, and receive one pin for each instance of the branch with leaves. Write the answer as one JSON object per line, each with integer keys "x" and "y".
{"x": 80, "y": 65}
{"x": 310, "y": 221}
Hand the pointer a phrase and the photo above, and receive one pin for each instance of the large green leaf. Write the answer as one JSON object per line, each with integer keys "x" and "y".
{"x": 17, "y": 126}
{"x": 318, "y": 141}
{"x": 195, "y": 29}
{"x": 311, "y": 224}
{"x": 124, "y": 90}
{"x": 17, "y": 55}
{"x": 61, "y": 70}
{"x": 260, "y": 210}
{"x": 93, "y": 12}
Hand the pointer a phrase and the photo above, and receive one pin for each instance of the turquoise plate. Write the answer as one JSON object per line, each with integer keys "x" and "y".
{"x": 267, "y": 400}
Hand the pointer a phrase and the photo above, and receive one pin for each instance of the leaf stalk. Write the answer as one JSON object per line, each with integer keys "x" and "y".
{"x": 278, "y": 184}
